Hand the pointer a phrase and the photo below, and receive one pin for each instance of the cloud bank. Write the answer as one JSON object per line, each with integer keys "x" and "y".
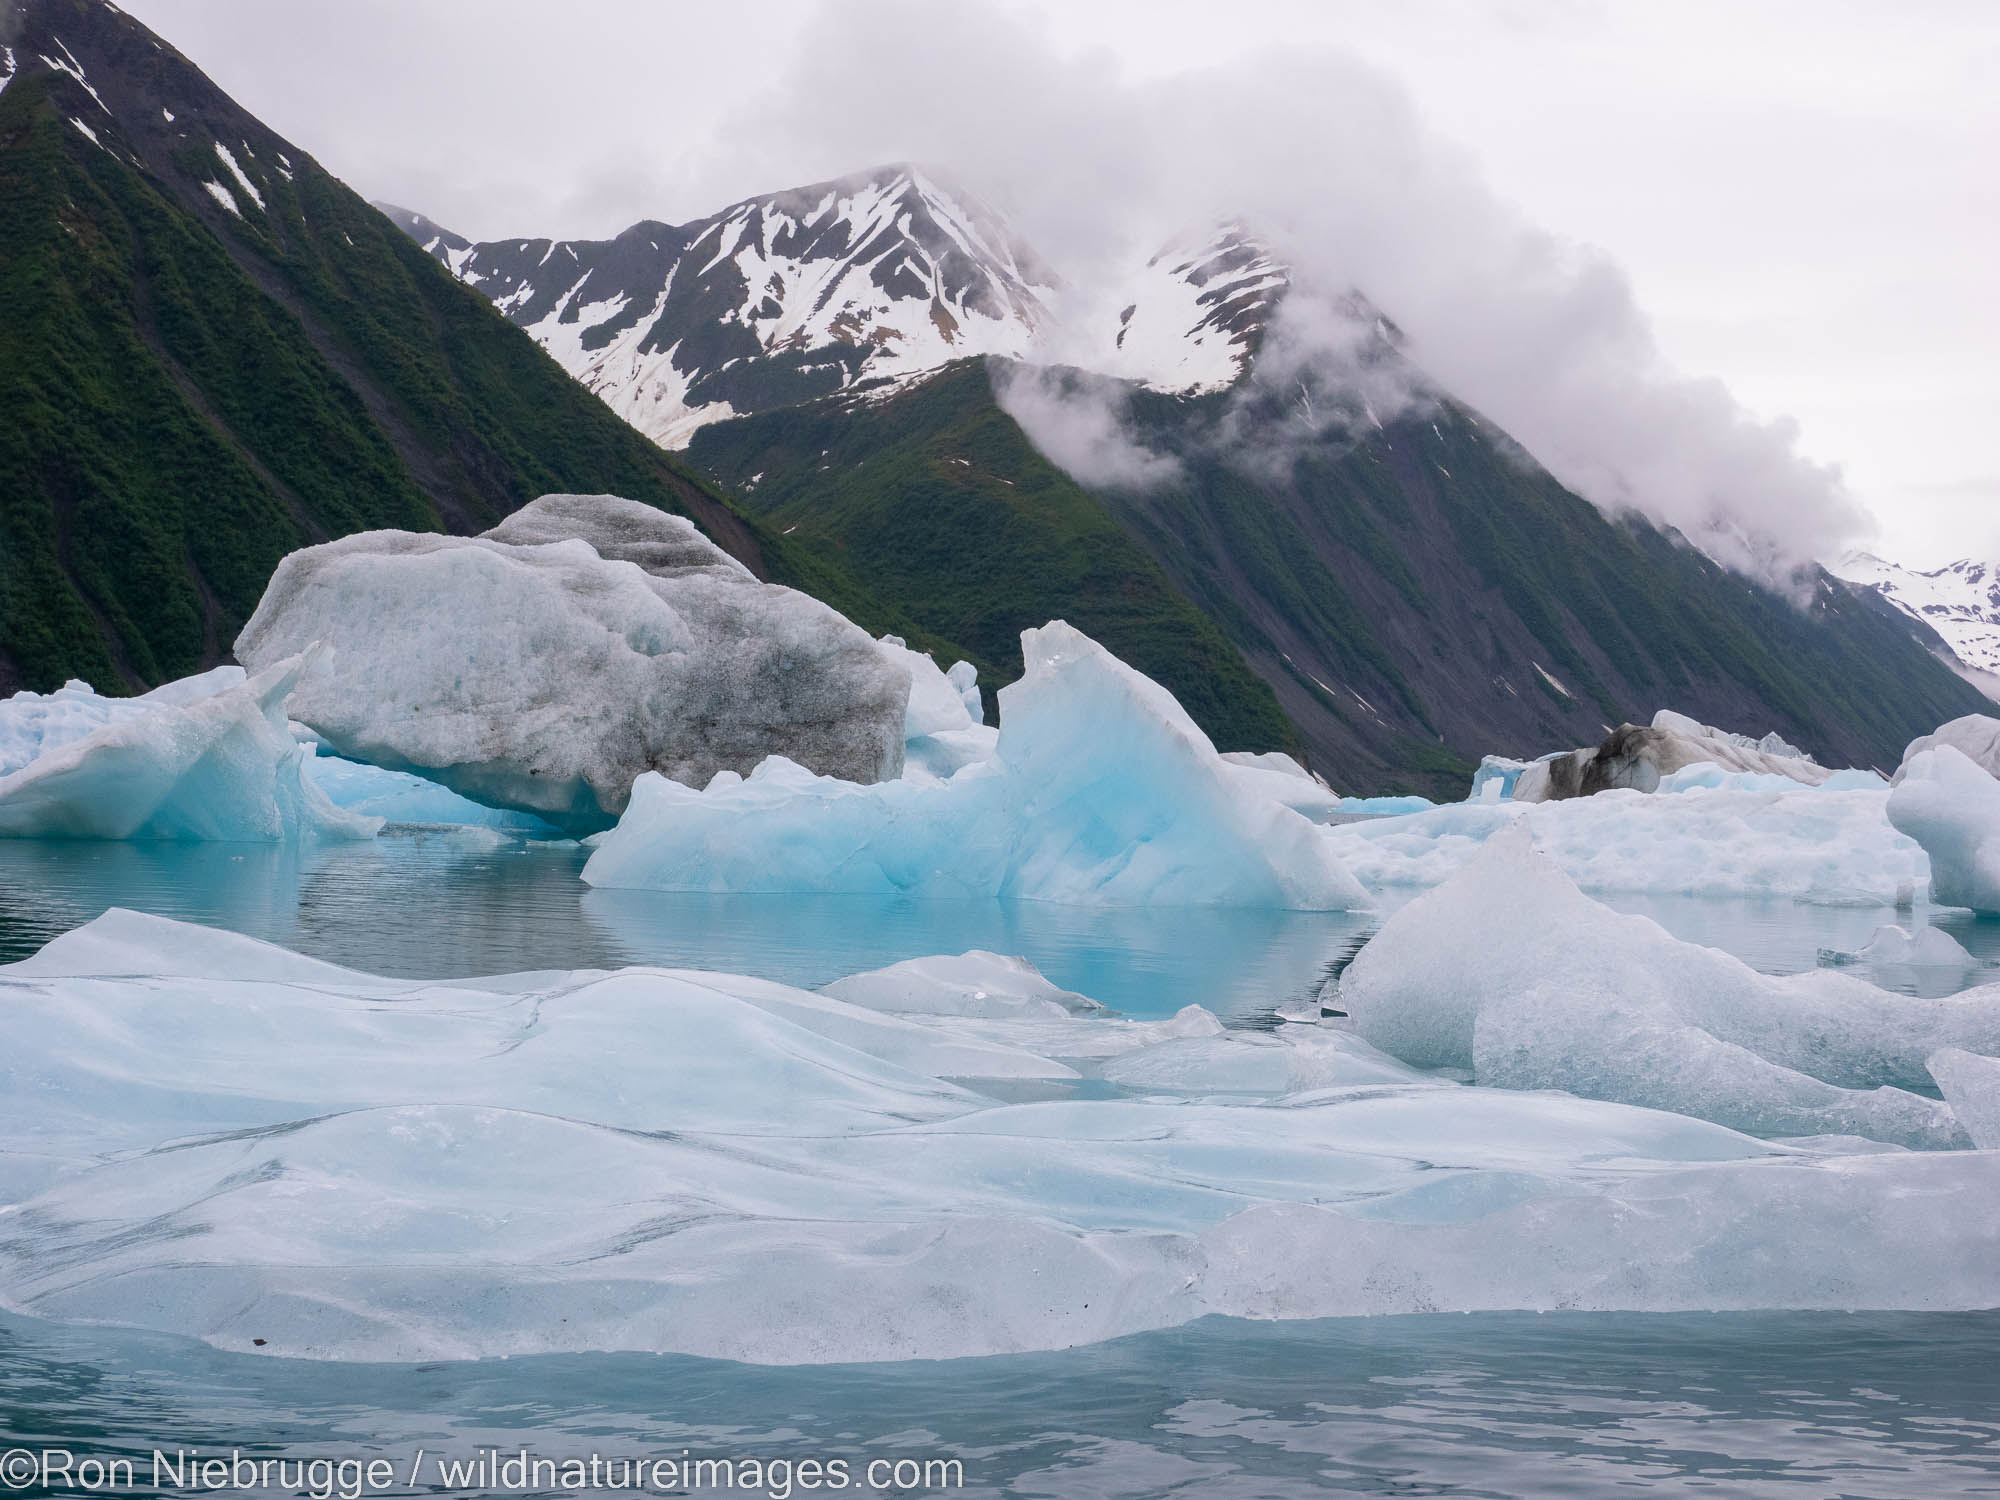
{"x": 1329, "y": 161}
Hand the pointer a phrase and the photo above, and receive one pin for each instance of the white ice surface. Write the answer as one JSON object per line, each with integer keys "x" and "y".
{"x": 974, "y": 983}
{"x": 207, "y": 757}
{"x": 210, "y": 1136}
{"x": 1951, "y": 807}
{"x": 1971, "y": 1086}
{"x": 1509, "y": 970}
{"x": 1976, "y": 736}
{"x": 1743, "y": 836}
{"x": 1100, "y": 790}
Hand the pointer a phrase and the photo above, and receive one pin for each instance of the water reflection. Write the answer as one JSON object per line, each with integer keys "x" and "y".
{"x": 1491, "y": 1405}
{"x": 437, "y": 904}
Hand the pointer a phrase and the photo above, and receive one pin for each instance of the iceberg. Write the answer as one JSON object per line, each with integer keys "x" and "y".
{"x": 975, "y": 983}
{"x": 1947, "y": 803}
{"x": 942, "y": 731}
{"x": 1510, "y": 971}
{"x": 587, "y": 640}
{"x": 1279, "y": 777}
{"x": 1100, "y": 790}
{"x": 1746, "y": 835}
{"x": 208, "y": 757}
{"x": 1636, "y": 758}
{"x": 1976, "y": 737}
{"x": 398, "y": 797}
{"x": 213, "y": 1137}
{"x": 1971, "y": 1086}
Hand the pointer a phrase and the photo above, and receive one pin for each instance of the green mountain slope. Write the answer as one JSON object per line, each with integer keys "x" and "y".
{"x": 212, "y": 353}
{"x": 1410, "y": 601}
{"x": 938, "y": 502}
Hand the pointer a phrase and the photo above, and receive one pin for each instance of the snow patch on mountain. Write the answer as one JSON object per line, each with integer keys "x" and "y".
{"x": 1190, "y": 318}
{"x": 1961, "y": 601}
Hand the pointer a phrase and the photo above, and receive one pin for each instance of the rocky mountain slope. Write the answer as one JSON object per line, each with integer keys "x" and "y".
{"x": 213, "y": 352}
{"x": 1413, "y": 598}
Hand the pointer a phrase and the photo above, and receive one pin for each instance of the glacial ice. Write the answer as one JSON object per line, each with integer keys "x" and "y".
{"x": 1508, "y": 970}
{"x": 207, "y": 1135}
{"x": 974, "y": 983}
{"x": 1744, "y": 836}
{"x": 207, "y": 757}
{"x": 1637, "y": 759}
{"x": 589, "y": 639}
{"x": 1971, "y": 1086}
{"x": 1947, "y": 803}
{"x": 1976, "y": 736}
{"x": 942, "y": 730}
{"x": 1274, "y": 774}
{"x": 1100, "y": 790}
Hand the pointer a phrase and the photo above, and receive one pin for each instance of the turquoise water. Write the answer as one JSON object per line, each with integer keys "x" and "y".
{"x": 1490, "y": 1405}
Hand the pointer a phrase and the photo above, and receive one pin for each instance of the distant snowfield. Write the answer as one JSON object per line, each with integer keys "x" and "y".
{"x": 1961, "y": 602}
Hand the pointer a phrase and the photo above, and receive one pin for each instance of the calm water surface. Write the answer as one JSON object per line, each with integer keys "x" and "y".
{"x": 1491, "y": 1405}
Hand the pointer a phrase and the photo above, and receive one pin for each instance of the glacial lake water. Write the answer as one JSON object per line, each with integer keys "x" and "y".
{"x": 1861, "y": 1404}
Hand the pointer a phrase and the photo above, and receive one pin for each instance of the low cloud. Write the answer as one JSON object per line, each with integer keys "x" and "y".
{"x": 1078, "y": 422}
{"x": 1328, "y": 160}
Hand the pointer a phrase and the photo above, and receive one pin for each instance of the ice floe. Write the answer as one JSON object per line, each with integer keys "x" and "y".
{"x": 1950, "y": 806}
{"x": 1509, "y": 971}
{"x": 208, "y": 757}
{"x": 1721, "y": 833}
{"x": 1637, "y": 758}
{"x": 1100, "y": 789}
{"x": 207, "y": 1135}
{"x": 587, "y": 640}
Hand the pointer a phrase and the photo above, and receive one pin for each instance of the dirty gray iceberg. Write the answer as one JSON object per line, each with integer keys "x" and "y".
{"x": 1639, "y": 757}
{"x": 584, "y": 641}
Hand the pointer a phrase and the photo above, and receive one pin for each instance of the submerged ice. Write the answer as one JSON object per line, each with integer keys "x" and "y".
{"x": 211, "y": 1136}
{"x": 1098, "y": 788}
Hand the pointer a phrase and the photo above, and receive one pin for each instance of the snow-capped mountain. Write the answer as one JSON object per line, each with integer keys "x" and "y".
{"x": 863, "y": 282}
{"x": 1961, "y": 601}
{"x": 1190, "y": 319}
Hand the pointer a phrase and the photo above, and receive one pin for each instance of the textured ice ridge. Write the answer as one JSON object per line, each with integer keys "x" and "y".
{"x": 211, "y": 1136}
{"x": 1508, "y": 970}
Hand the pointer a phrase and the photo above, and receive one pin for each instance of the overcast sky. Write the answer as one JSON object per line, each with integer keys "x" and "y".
{"x": 1802, "y": 196}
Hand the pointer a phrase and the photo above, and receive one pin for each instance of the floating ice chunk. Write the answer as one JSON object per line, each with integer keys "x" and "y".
{"x": 1971, "y": 1086}
{"x": 975, "y": 983}
{"x": 1508, "y": 969}
{"x": 368, "y": 1168}
{"x": 589, "y": 639}
{"x": 1926, "y": 947}
{"x": 1950, "y": 806}
{"x": 936, "y": 704}
{"x": 1637, "y": 759}
{"x": 1829, "y": 844}
{"x": 205, "y": 758}
{"x": 1276, "y": 775}
{"x": 1976, "y": 736}
{"x": 1100, "y": 790}
{"x": 965, "y": 677}
{"x": 31, "y": 723}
